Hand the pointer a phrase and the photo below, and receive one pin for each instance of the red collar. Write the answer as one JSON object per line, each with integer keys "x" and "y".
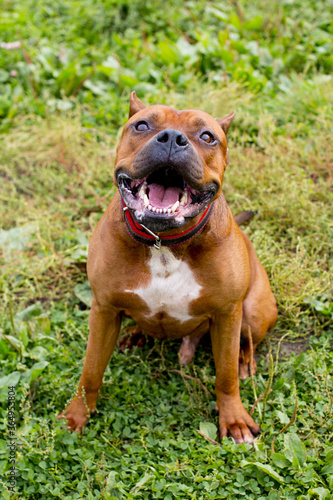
{"x": 142, "y": 234}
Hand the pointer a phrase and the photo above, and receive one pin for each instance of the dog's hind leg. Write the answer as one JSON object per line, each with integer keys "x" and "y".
{"x": 259, "y": 312}
{"x": 190, "y": 343}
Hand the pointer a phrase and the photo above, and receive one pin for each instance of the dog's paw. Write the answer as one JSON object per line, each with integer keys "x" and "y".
{"x": 240, "y": 431}
{"x": 239, "y": 425}
{"x": 76, "y": 415}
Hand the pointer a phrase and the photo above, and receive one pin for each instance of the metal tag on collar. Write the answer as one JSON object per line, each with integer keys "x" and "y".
{"x": 158, "y": 242}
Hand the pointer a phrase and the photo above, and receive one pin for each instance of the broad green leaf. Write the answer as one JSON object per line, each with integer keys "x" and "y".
{"x": 265, "y": 468}
{"x": 13, "y": 342}
{"x": 107, "y": 71}
{"x": 238, "y": 46}
{"x": 30, "y": 312}
{"x": 33, "y": 373}
{"x": 80, "y": 254}
{"x": 111, "y": 480}
{"x": 97, "y": 88}
{"x": 3, "y": 446}
{"x": 327, "y": 469}
{"x": 223, "y": 36}
{"x": 45, "y": 63}
{"x": 111, "y": 62}
{"x": 284, "y": 419}
{"x": 298, "y": 447}
{"x": 112, "y": 484}
{"x": 188, "y": 51}
{"x": 4, "y": 347}
{"x": 217, "y": 13}
{"x": 227, "y": 56}
{"x": 10, "y": 380}
{"x": 4, "y": 75}
{"x": 209, "y": 429}
{"x": 23, "y": 333}
{"x": 83, "y": 292}
{"x": 145, "y": 479}
{"x": 38, "y": 353}
{"x": 143, "y": 88}
{"x": 280, "y": 460}
{"x": 254, "y": 24}
{"x": 235, "y": 21}
{"x": 128, "y": 81}
{"x": 169, "y": 52}
{"x": 16, "y": 239}
{"x": 321, "y": 492}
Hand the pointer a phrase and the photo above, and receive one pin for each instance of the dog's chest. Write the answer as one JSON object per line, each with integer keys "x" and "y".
{"x": 172, "y": 287}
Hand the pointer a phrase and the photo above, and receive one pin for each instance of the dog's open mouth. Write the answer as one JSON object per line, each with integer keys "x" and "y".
{"x": 163, "y": 194}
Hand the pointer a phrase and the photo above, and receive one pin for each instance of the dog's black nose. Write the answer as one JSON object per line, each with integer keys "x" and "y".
{"x": 172, "y": 137}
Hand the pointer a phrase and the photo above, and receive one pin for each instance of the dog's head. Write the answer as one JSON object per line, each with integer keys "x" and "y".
{"x": 170, "y": 164}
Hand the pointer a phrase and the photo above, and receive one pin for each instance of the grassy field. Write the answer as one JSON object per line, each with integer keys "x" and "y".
{"x": 64, "y": 95}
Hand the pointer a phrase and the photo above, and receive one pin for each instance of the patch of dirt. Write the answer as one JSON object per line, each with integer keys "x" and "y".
{"x": 296, "y": 347}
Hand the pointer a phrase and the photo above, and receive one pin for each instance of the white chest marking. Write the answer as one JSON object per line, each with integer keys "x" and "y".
{"x": 172, "y": 287}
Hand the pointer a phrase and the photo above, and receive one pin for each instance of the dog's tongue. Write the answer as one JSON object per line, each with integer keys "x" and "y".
{"x": 161, "y": 197}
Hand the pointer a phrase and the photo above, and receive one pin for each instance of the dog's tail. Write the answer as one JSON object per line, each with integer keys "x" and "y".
{"x": 244, "y": 217}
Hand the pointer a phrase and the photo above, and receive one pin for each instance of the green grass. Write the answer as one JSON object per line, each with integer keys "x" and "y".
{"x": 56, "y": 171}
{"x": 94, "y": 53}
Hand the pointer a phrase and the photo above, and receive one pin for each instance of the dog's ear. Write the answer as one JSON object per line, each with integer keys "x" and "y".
{"x": 135, "y": 104}
{"x": 226, "y": 122}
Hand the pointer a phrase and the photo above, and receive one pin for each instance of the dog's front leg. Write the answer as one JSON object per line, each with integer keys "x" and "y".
{"x": 104, "y": 326}
{"x": 234, "y": 421}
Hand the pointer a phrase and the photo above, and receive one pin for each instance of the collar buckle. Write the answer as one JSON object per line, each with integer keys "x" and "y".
{"x": 158, "y": 241}
{"x": 158, "y": 244}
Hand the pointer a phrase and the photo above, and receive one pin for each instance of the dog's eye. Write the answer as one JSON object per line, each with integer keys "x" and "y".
{"x": 207, "y": 137}
{"x": 141, "y": 126}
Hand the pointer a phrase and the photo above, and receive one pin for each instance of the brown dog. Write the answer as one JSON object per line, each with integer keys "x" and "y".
{"x": 169, "y": 254}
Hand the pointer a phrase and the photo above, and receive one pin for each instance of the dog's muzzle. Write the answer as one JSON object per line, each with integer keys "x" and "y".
{"x": 167, "y": 191}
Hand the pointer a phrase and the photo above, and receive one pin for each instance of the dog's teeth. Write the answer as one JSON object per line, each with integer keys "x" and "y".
{"x": 160, "y": 210}
{"x": 183, "y": 199}
{"x": 146, "y": 200}
{"x": 142, "y": 190}
{"x": 175, "y": 206}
